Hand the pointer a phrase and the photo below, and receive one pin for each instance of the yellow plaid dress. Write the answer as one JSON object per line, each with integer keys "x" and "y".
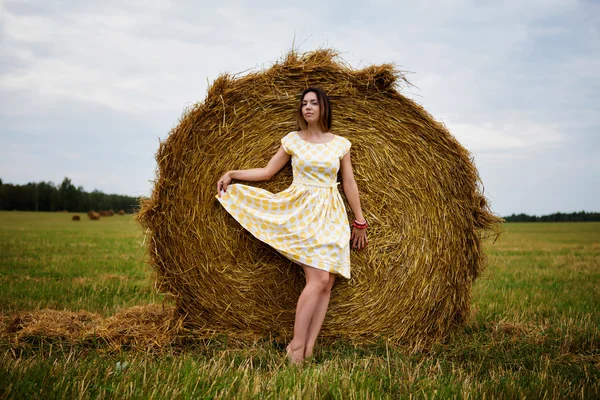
{"x": 307, "y": 222}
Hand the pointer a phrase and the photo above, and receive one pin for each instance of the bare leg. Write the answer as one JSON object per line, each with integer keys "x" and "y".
{"x": 316, "y": 284}
{"x": 317, "y": 320}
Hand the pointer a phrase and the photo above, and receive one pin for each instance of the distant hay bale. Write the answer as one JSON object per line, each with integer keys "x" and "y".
{"x": 121, "y": 212}
{"x": 93, "y": 215}
{"x": 110, "y": 213}
{"x": 75, "y": 218}
{"x": 103, "y": 213}
{"x": 419, "y": 190}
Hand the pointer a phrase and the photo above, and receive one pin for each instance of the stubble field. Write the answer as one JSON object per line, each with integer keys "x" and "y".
{"x": 534, "y": 330}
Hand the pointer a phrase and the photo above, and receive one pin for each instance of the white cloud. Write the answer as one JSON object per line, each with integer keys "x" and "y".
{"x": 114, "y": 60}
{"x": 70, "y": 156}
{"x": 506, "y": 137}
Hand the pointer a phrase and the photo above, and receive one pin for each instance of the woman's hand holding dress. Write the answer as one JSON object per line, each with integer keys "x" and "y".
{"x": 223, "y": 183}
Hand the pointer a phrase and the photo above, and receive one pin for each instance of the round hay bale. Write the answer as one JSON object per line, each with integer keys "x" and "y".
{"x": 103, "y": 213}
{"x": 121, "y": 212}
{"x": 110, "y": 213}
{"x": 419, "y": 190}
{"x": 93, "y": 215}
{"x": 75, "y": 218}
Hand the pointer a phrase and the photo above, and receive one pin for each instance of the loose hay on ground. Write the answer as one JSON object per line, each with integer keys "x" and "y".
{"x": 68, "y": 326}
{"x": 150, "y": 327}
{"x": 142, "y": 327}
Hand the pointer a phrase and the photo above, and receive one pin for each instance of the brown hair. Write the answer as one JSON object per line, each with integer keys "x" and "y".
{"x": 324, "y": 108}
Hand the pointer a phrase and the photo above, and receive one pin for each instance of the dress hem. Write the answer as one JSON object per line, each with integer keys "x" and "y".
{"x": 283, "y": 252}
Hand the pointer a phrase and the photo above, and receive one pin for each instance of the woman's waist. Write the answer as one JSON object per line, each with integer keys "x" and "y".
{"x": 314, "y": 182}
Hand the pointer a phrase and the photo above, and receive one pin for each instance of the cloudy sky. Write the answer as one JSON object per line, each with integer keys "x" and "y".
{"x": 88, "y": 87}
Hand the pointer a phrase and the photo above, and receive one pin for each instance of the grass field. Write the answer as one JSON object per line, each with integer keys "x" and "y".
{"x": 534, "y": 332}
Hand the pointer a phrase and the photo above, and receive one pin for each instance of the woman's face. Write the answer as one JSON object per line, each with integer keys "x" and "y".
{"x": 310, "y": 107}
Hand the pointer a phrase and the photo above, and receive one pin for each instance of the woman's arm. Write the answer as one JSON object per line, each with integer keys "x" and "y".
{"x": 350, "y": 187}
{"x": 359, "y": 236}
{"x": 277, "y": 162}
{"x": 263, "y": 174}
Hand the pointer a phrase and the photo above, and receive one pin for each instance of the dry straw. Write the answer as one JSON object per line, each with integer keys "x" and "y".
{"x": 150, "y": 327}
{"x": 419, "y": 190}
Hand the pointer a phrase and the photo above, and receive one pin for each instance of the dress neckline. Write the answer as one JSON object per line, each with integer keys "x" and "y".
{"x": 306, "y": 141}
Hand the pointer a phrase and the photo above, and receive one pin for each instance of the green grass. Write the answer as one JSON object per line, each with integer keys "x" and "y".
{"x": 47, "y": 260}
{"x": 534, "y": 332}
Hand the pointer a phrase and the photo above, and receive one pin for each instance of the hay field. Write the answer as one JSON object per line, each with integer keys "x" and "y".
{"x": 534, "y": 332}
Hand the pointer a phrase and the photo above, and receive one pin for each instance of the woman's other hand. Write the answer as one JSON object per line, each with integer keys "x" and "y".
{"x": 223, "y": 183}
{"x": 359, "y": 238}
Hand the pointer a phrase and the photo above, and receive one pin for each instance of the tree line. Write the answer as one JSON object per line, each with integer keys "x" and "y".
{"x": 580, "y": 216}
{"x": 46, "y": 196}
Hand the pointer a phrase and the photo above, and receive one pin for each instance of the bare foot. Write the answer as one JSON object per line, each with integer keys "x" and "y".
{"x": 296, "y": 356}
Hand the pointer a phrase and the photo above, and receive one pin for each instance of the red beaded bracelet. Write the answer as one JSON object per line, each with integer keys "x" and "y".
{"x": 359, "y": 225}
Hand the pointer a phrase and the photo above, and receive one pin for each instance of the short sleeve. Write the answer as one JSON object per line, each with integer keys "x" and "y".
{"x": 345, "y": 147}
{"x": 286, "y": 142}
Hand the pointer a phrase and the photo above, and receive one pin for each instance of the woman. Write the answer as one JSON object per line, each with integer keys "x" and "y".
{"x": 307, "y": 222}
